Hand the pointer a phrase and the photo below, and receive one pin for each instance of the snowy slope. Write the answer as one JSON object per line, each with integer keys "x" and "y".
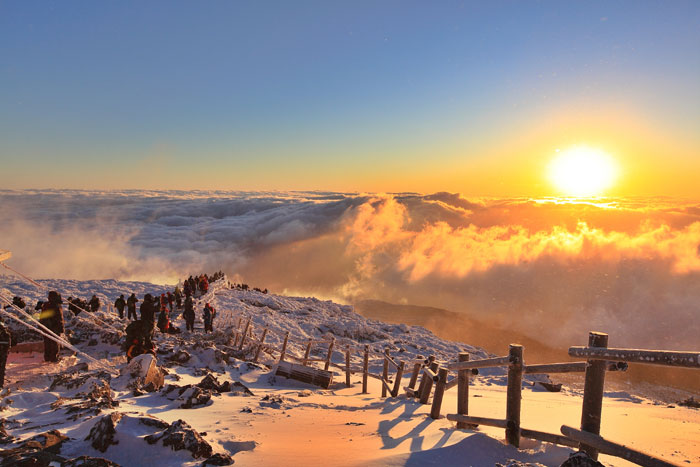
{"x": 285, "y": 422}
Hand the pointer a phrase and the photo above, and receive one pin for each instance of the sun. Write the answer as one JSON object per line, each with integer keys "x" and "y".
{"x": 582, "y": 171}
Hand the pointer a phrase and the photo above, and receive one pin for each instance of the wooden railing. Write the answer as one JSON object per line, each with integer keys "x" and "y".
{"x": 435, "y": 374}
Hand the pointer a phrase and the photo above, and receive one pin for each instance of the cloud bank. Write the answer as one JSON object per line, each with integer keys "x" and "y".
{"x": 551, "y": 269}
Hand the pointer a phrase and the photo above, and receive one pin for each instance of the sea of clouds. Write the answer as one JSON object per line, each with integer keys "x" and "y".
{"x": 552, "y": 269}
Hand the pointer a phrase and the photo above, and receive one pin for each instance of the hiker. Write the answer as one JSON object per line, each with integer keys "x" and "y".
{"x": 72, "y": 302}
{"x": 178, "y": 297}
{"x": 148, "y": 313}
{"x": 163, "y": 318}
{"x": 171, "y": 300}
{"x": 208, "y": 317}
{"x": 18, "y": 302}
{"x": 188, "y": 314}
{"x": 52, "y": 317}
{"x": 148, "y": 308}
{"x": 187, "y": 288}
{"x": 94, "y": 303}
{"x": 119, "y": 304}
{"x": 131, "y": 306}
{"x": 204, "y": 284}
{"x": 5, "y": 342}
{"x": 138, "y": 340}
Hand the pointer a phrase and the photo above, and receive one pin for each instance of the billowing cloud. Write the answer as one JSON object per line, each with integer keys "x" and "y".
{"x": 551, "y": 269}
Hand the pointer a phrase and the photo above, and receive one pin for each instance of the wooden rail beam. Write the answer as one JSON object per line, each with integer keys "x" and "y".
{"x": 613, "y": 449}
{"x": 391, "y": 360}
{"x": 470, "y": 420}
{"x": 386, "y": 387}
{"x": 430, "y": 374}
{"x": 648, "y": 357}
{"x": 549, "y": 438}
{"x": 485, "y": 363}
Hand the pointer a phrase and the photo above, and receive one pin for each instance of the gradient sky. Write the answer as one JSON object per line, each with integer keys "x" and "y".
{"x": 471, "y": 97}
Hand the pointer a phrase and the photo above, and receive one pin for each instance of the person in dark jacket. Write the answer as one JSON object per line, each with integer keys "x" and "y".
{"x": 148, "y": 308}
{"x": 52, "y": 317}
{"x": 148, "y": 315}
{"x": 138, "y": 340}
{"x": 163, "y": 318}
{"x": 188, "y": 314}
{"x": 5, "y": 342}
{"x": 119, "y": 304}
{"x": 131, "y": 306}
{"x": 208, "y": 318}
{"x": 94, "y": 303}
{"x": 18, "y": 302}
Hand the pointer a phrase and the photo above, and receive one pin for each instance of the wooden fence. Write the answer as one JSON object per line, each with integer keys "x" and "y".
{"x": 434, "y": 374}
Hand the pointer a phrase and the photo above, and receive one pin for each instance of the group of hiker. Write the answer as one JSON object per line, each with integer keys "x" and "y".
{"x": 139, "y": 333}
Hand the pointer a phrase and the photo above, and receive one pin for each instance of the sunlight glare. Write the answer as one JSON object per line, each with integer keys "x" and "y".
{"x": 582, "y": 171}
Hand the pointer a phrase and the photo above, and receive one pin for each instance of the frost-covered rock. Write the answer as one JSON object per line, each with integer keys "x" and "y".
{"x": 180, "y": 435}
{"x": 581, "y": 459}
{"x": 142, "y": 373}
{"x": 87, "y": 461}
{"x": 103, "y": 432}
{"x": 41, "y": 449}
{"x": 218, "y": 459}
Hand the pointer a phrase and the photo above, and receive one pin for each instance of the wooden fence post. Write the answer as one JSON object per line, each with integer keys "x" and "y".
{"x": 514, "y": 396}
{"x": 385, "y": 371}
{"x": 428, "y": 387}
{"x": 463, "y": 391}
{"x": 397, "y": 382}
{"x": 245, "y": 334}
{"x": 439, "y": 391}
{"x": 283, "y": 352}
{"x": 424, "y": 379}
{"x": 414, "y": 375}
{"x": 347, "y": 366}
{"x": 260, "y": 345}
{"x": 330, "y": 354}
{"x": 365, "y": 370}
{"x": 593, "y": 392}
{"x": 307, "y": 352}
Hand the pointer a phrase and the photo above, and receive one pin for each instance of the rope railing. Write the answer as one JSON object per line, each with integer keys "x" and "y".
{"x": 98, "y": 322}
{"x": 46, "y": 332}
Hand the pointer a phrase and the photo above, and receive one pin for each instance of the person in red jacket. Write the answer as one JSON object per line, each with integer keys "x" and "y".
{"x": 52, "y": 317}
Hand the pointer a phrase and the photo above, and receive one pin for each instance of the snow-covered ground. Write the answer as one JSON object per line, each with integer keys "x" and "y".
{"x": 285, "y": 422}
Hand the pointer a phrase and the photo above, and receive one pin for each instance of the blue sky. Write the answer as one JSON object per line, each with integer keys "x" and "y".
{"x": 325, "y": 95}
